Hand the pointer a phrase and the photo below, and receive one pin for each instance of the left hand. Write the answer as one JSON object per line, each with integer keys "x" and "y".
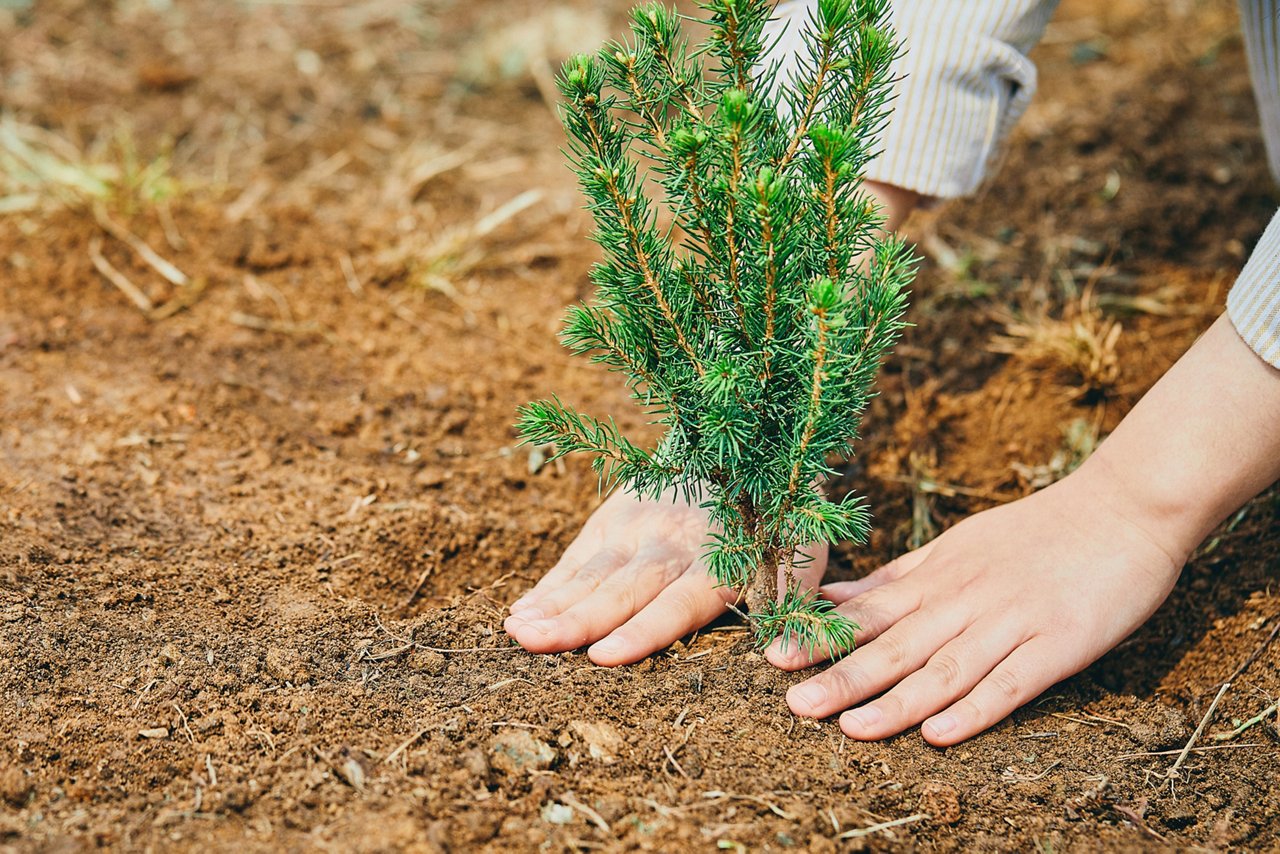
{"x": 999, "y": 608}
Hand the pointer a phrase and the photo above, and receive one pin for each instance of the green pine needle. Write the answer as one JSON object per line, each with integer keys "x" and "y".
{"x": 805, "y": 620}
{"x": 749, "y": 320}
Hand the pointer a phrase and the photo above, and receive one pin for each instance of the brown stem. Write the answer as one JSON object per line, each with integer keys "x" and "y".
{"x": 811, "y": 103}
{"x": 735, "y": 283}
{"x": 770, "y": 281}
{"x": 829, "y": 198}
{"x": 811, "y": 419}
{"x": 762, "y": 592}
{"x": 626, "y": 213}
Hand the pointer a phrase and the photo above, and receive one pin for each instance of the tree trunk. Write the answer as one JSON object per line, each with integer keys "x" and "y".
{"x": 763, "y": 589}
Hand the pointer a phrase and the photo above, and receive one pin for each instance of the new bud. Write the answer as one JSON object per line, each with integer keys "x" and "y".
{"x": 737, "y": 107}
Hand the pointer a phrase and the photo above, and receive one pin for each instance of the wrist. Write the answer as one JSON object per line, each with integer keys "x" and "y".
{"x": 896, "y": 203}
{"x": 1152, "y": 500}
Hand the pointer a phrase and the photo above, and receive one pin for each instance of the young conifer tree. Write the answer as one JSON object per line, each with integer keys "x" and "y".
{"x": 752, "y": 319}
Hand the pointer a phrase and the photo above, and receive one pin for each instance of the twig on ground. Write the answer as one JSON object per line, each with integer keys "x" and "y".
{"x": 391, "y": 653}
{"x": 261, "y": 324}
{"x": 185, "y": 299}
{"x": 186, "y": 727}
{"x": 1253, "y": 721}
{"x": 951, "y": 490}
{"x": 594, "y": 817}
{"x": 378, "y": 619}
{"x": 1204, "y": 749}
{"x": 1134, "y": 815}
{"x": 859, "y": 832}
{"x": 247, "y": 201}
{"x": 671, "y": 758}
{"x": 406, "y": 744}
{"x": 1013, "y": 777}
{"x": 417, "y": 588}
{"x": 157, "y": 262}
{"x": 349, "y": 273}
{"x": 115, "y": 277}
{"x": 772, "y": 807}
{"x": 445, "y": 650}
{"x": 171, "y": 234}
{"x": 1195, "y": 736}
{"x": 1089, "y": 720}
{"x": 489, "y": 689}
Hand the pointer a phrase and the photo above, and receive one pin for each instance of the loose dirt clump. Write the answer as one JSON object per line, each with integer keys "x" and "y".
{"x": 255, "y": 554}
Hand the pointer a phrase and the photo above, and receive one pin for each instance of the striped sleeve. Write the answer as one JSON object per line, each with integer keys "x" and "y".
{"x": 963, "y": 80}
{"x": 1254, "y": 301}
{"x": 1261, "y": 20}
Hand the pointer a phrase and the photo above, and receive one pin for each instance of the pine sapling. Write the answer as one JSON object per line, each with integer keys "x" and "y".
{"x": 751, "y": 319}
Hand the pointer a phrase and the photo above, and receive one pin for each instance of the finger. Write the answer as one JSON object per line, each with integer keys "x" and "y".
{"x": 688, "y": 604}
{"x": 579, "y": 551}
{"x": 877, "y": 666}
{"x": 873, "y": 612}
{"x": 1025, "y": 674}
{"x": 606, "y": 561}
{"x": 614, "y": 602}
{"x": 891, "y": 571}
{"x": 950, "y": 673}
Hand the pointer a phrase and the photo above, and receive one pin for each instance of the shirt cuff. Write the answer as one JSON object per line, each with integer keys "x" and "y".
{"x": 964, "y": 81}
{"x": 1254, "y": 301}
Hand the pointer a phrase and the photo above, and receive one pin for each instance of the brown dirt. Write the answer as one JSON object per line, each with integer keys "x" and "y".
{"x": 230, "y": 539}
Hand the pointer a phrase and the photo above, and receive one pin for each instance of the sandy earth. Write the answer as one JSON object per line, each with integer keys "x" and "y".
{"x": 255, "y": 547}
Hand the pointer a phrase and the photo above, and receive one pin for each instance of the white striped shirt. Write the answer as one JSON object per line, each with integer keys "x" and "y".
{"x": 965, "y": 79}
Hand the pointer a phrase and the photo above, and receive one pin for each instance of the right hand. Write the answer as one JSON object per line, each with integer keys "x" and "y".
{"x": 633, "y": 582}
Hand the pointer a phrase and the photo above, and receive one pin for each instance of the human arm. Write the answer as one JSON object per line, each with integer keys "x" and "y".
{"x": 964, "y": 630}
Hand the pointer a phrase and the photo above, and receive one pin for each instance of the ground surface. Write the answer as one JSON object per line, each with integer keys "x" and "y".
{"x": 254, "y": 555}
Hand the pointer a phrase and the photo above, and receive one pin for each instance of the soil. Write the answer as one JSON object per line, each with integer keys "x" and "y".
{"x": 254, "y": 555}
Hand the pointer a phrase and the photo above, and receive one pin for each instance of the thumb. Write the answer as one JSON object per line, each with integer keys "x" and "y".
{"x": 842, "y": 591}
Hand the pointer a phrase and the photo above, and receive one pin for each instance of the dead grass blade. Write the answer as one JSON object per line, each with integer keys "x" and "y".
{"x": 118, "y": 279}
{"x": 152, "y": 258}
{"x": 1082, "y": 342}
{"x": 859, "y": 832}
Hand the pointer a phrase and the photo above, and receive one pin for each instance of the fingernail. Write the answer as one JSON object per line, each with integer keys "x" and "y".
{"x": 864, "y": 717}
{"x": 942, "y": 724}
{"x": 811, "y": 694}
{"x": 608, "y": 646}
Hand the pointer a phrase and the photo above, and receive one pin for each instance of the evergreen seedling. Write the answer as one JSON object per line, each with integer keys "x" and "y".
{"x": 751, "y": 320}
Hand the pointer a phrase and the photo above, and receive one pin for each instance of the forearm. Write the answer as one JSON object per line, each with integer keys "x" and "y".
{"x": 1203, "y": 441}
{"x": 895, "y": 203}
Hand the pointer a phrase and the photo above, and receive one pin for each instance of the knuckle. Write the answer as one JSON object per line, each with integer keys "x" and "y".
{"x": 894, "y": 651}
{"x": 845, "y": 682}
{"x": 626, "y": 596}
{"x": 945, "y": 669}
{"x": 1007, "y": 685}
{"x": 687, "y": 603}
{"x": 894, "y": 708}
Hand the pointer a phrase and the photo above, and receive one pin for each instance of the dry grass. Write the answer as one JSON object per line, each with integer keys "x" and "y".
{"x": 40, "y": 171}
{"x": 438, "y": 262}
{"x": 1081, "y": 344}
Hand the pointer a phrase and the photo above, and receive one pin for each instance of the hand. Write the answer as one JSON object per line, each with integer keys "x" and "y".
{"x": 631, "y": 583}
{"x": 1007, "y": 603}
